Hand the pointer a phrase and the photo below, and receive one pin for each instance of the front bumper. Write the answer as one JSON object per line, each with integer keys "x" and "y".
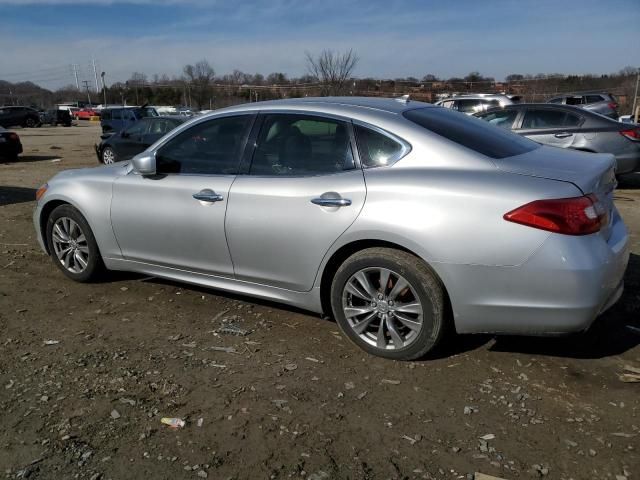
{"x": 560, "y": 289}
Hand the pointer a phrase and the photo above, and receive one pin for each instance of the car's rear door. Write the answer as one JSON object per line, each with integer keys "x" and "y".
{"x": 302, "y": 190}
{"x": 176, "y": 217}
{"x": 554, "y": 127}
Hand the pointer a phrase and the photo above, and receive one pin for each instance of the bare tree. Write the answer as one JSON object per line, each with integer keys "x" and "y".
{"x": 333, "y": 70}
{"x": 200, "y": 77}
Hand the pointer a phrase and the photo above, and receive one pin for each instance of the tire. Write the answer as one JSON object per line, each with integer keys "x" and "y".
{"x": 30, "y": 123}
{"x": 420, "y": 304}
{"x": 108, "y": 156}
{"x": 64, "y": 217}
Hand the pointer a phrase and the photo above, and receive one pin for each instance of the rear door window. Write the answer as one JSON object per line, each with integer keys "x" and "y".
{"x": 302, "y": 145}
{"x": 471, "y": 132}
{"x": 575, "y": 100}
{"x": 469, "y": 106}
{"x": 549, "y": 119}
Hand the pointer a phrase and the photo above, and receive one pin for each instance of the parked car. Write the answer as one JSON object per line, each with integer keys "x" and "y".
{"x": 475, "y": 103}
{"x": 19, "y": 116}
{"x": 598, "y": 102}
{"x": 10, "y": 145}
{"x": 56, "y": 117}
{"x": 399, "y": 218}
{"x": 115, "y": 147}
{"x": 117, "y": 119}
{"x": 86, "y": 113}
{"x": 571, "y": 127}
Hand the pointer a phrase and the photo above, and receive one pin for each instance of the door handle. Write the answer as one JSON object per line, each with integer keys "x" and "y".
{"x": 563, "y": 135}
{"x": 208, "y": 196}
{"x": 331, "y": 202}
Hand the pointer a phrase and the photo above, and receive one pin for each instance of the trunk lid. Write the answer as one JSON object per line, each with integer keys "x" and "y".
{"x": 592, "y": 173}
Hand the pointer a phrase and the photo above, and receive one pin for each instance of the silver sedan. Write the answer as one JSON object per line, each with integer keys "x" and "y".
{"x": 400, "y": 219}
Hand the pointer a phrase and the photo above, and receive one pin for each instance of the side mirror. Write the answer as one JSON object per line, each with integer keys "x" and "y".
{"x": 145, "y": 163}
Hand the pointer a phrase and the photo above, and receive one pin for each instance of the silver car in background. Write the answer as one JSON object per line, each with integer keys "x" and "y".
{"x": 475, "y": 103}
{"x": 397, "y": 218}
{"x": 603, "y": 103}
{"x": 571, "y": 127}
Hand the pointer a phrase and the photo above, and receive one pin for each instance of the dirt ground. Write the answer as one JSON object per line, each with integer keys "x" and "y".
{"x": 88, "y": 371}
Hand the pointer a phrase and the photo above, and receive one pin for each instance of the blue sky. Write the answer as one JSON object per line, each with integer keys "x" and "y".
{"x": 394, "y": 38}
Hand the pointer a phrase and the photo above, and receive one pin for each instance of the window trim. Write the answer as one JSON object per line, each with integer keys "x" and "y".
{"x": 193, "y": 123}
{"x": 406, "y": 146}
{"x": 252, "y": 141}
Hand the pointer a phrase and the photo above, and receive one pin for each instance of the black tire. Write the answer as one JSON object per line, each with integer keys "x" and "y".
{"x": 30, "y": 123}
{"x": 108, "y": 151}
{"x": 423, "y": 281}
{"x": 95, "y": 266}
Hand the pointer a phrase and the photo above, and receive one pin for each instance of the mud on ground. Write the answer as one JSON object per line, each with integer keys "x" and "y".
{"x": 88, "y": 371}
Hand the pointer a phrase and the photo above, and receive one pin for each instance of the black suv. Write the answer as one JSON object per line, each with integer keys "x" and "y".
{"x": 121, "y": 118}
{"x": 56, "y": 117}
{"x": 22, "y": 116}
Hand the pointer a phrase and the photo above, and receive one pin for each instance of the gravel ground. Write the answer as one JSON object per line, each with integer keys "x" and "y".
{"x": 88, "y": 371}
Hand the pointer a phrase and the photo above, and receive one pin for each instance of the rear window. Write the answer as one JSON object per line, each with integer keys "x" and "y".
{"x": 471, "y": 132}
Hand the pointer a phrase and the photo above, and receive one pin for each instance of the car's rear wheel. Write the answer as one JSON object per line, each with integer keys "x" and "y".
{"x": 72, "y": 245}
{"x": 389, "y": 303}
{"x": 109, "y": 156}
{"x": 30, "y": 122}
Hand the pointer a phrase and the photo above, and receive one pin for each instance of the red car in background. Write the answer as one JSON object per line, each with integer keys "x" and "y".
{"x": 86, "y": 113}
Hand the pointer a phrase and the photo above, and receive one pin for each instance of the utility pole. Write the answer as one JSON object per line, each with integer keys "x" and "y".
{"x": 75, "y": 74}
{"x": 104, "y": 89}
{"x": 86, "y": 85}
{"x": 95, "y": 74}
{"x": 635, "y": 99}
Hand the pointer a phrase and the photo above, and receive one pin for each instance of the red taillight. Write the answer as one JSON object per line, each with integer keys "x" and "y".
{"x": 569, "y": 216}
{"x": 612, "y": 105}
{"x": 14, "y": 136}
{"x": 632, "y": 134}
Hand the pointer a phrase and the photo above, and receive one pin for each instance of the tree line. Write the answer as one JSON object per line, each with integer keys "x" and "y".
{"x": 328, "y": 73}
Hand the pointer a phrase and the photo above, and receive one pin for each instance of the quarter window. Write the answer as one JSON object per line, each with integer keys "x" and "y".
{"x": 301, "y": 145}
{"x": 377, "y": 149}
{"x": 207, "y": 148}
{"x": 594, "y": 98}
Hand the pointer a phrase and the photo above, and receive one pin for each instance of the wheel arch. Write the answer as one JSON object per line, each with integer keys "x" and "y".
{"x": 345, "y": 251}
{"x": 46, "y": 210}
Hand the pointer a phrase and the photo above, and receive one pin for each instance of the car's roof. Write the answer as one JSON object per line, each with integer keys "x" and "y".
{"x": 389, "y": 105}
{"x": 580, "y": 94}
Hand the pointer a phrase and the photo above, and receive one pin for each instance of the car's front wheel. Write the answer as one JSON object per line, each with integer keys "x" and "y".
{"x": 72, "y": 245}
{"x": 109, "y": 156}
{"x": 389, "y": 303}
{"x": 30, "y": 122}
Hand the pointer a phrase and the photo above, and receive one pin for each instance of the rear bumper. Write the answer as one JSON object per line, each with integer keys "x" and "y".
{"x": 628, "y": 162}
{"x": 561, "y": 288}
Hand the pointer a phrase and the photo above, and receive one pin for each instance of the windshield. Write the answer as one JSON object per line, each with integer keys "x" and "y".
{"x": 471, "y": 132}
{"x": 146, "y": 112}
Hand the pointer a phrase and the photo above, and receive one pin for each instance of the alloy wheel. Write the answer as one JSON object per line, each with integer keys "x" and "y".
{"x": 382, "y": 308}
{"x": 70, "y": 245}
{"x": 108, "y": 156}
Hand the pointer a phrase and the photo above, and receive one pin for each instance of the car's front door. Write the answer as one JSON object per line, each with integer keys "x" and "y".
{"x": 556, "y": 128}
{"x": 176, "y": 217}
{"x": 302, "y": 191}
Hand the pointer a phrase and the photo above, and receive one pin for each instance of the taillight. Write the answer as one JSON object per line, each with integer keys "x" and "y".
{"x": 612, "y": 105}
{"x": 631, "y": 133}
{"x": 14, "y": 136}
{"x": 569, "y": 216}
